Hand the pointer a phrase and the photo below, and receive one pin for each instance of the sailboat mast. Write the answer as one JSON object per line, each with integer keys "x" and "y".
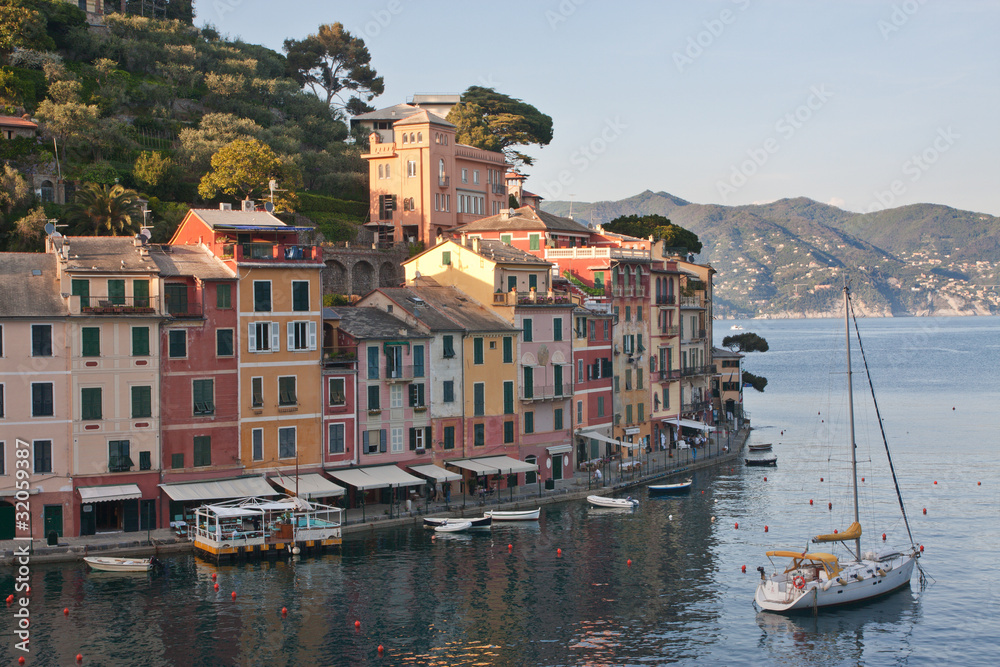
{"x": 850, "y": 412}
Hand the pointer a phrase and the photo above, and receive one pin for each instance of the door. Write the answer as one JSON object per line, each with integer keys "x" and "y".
{"x": 147, "y": 515}
{"x": 6, "y": 521}
{"x": 53, "y": 519}
{"x": 511, "y": 283}
{"x": 130, "y": 516}
{"x": 557, "y": 466}
{"x": 88, "y": 520}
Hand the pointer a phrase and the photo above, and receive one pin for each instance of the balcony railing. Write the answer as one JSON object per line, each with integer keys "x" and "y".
{"x": 444, "y": 181}
{"x": 340, "y": 357}
{"x": 270, "y": 252}
{"x": 499, "y": 189}
{"x": 547, "y": 392}
{"x": 666, "y": 300}
{"x": 698, "y": 370}
{"x": 182, "y": 301}
{"x": 692, "y": 302}
{"x": 670, "y": 374}
{"x": 119, "y": 464}
{"x": 581, "y": 252}
{"x": 405, "y": 373}
{"x": 670, "y": 331}
{"x": 696, "y": 406}
{"x": 530, "y": 298}
{"x": 117, "y": 305}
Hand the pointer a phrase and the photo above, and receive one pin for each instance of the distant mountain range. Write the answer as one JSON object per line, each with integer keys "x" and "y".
{"x": 788, "y": 258}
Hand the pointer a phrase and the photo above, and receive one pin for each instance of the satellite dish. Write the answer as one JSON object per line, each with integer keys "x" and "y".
{"x": 49, "y": 228}
{"x": 56, "y": 235}
{"x": 146, "y": 233}
{"x": 269, "y": 207}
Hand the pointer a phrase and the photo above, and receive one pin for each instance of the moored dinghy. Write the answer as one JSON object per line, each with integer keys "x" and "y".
{"x": 669, "y": 489}
{"x": 760, "y": 448}
{"x": 108, "y": 564}
{"x": 456, "y": 527}
{"x": 604, "y": 501}
{"x": 771, "y": 461}
{"x": 524, "y": 515}
{"x": 478, "y": 523}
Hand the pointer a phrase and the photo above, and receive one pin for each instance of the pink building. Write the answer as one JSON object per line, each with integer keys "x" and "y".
{"x": 593, "y": 398}
{"x": 340, "y": 389}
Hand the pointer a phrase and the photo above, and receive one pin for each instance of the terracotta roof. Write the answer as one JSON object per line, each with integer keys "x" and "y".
{"x": 366, "y": 322}
{"x": 528, "y": 193}
{"x": 14, "y": 121}
{"x": 24, "y": 294}
{"x": 500, "y": 252}
{"x": 107, "y": 254}
{"x": 214, "y": 216}
{"x": 527, "y": 218}
{"x": 182, "y": 260}
{"x": 450, "y": 309}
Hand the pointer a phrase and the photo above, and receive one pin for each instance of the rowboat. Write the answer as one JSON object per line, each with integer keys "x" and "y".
{"x": 773, "y": 461}
{"x": 760, "y": 448}
{"x": 527, "y": 515}
{"x": 604, "y": 501}
{"x": 669, "y": 489}
{"x": 478, "y": 523}
{"x": 106, "y": 564}
{"x": 456, "y": 527}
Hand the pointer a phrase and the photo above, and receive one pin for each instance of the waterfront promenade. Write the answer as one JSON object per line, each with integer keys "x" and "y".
{"x": 614, "y": 479}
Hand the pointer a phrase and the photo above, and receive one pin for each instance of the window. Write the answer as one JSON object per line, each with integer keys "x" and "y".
{"x": 638, "y": 379}
{"x": 224, "y": 296}
{"x": 142, "y": 402}
{"x": 508, "y": 398}
{"x": 506, "y": 238}
{"x": 338, "y": 392}
{"x": 257, "y": 392}
{"x": 579, "y": 371}
{"x": 381, "y": 172}
{"x": 396, "y": 396}
{"x": 203, "y": 397}
{"x": 1, "y": 408}
{"x": 119, "y": 456}
{"x": 475, "y": 176}
{"x": 449, "y": 437}
{"x": 176, "y": 298}
{"x": 557, "y": 379}
{"x": 286, "y": 442}
{"x": 511, "y": 283}
{"x": 177, "y": 460}
{"x": 394, "y": 362}
{"x": 446, "y": 258}
{"x": 579, "y": 412}
{"x": 641, "y": 412}
{"x": 628, "y": 379}
{"x": 202, "y": 450}
{"x": 373, "y": 398}
{"x": 478, "y": 435}
{"x": 224, "y": 343}
{"x": 300, "y": 295}
{"x": 448, "y": 394}
{"x": 43, "y": 456}
{"x": 257, "y": 444}
{"x": 448, "y": 347}
{"x": 465, "y": 175}
{"x": 557, "y": 328}
{"x": 628, "y": 414}
{"x": 262, "y": 296}
{"x": 411, "y": 168}
{"x": 533, "y": 242}
{"x": 140, "y": 341}
{"x": 336, "y": 439}
{"x": 417, "y": 395}
{"x": 418, "y": 361}
{"x": 177, "y": 343}
{"x": 529, "y": 422}
{"x": 81, "y": 288}
{"x": 526, "y": 329}
{"x": 396, "y": 440}
{"x": 529, "y": 382}
{"x": 286, "y": 391}
{"x": 145, "y": 461}
{"x": 116, "y": 292}
{"x": 508, "y": 350}
{"x": 477, "y": 351}
{"x": 638, "y": 313}
{"x": 532, "y": 281}
{"x": 41, "y": 399}
{"x": 600, "y": 406}
{"x": 606, "y": 326}
{"x": 91, "y": 338}
{"x": 420, "y": 438}
{"x": 479, "y": 399}
{"x": 90, "y": 403}
{"x": 557, "y": 419}
{"x": 373, "y": 441}
{"x": 301, "y": 336}
{"x": 263, "y": 337}
{"x": 508, "y": 432}
{"x": 628, "y": 313}
{"x": 373, "y": 362}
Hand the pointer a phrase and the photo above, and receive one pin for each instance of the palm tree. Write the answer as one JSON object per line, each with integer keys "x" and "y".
{"x": 100, "y": 210}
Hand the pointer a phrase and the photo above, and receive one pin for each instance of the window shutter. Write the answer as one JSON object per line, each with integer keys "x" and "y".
{"x": 413, "y": 438}
{"x": 427, "y": 437}
{"x": 312, "y": 335}
{"x": 364, "y": 440}
{"x": 290, "y": 334}
{"x": 381, "y": 441}
{"x": 275, "y": 338}
{"x": 252, "y": 337}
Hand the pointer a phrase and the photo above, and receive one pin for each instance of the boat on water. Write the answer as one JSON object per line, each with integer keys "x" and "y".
{"x": 525, "y": 515}
{"x": 478, "y": 523}
{"x": 760, "y": 448}
{"x": 771, "y": 461}
{"x": 814, "y": 579}
{"x": 604, "y": 501}
{"x": 108, "y": 564}
{"x": 736, "y": 327}
{"x": 669, "y": 489}
{"x": 453, "y": 527}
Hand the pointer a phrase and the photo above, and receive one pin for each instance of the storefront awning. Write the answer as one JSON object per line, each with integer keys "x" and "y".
{"x": 378, "y": 477}
{"x": 240, "y": 487}
{"x": 310, "y": 486}
{"x": 611, "y": 441}
{"x": 394, "y": 475}
{"x": 227, "y": 512}
{"x": 689, "y": 423}
{"x": 357, "y": 478}
{"x": 103, "y": 494}
{"x": 559, "y": 449}
{"x": 475, "y": 466}
{"x": 436, "y": 473}
{"x": 505, "y": 465}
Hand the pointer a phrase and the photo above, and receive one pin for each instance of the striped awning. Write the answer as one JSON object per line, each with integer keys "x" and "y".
{"x": 104, "y": 494}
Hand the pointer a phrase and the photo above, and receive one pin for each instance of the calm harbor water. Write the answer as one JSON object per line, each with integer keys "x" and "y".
{"x": 471, "y": 600}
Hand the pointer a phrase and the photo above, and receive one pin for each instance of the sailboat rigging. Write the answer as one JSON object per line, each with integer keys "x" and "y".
{"x": 815, "y": 579}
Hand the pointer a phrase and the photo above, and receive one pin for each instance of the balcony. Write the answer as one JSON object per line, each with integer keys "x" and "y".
{"x": 547, "y": 392}
{"x": 120, "y": 464}
{"x": 691, "y": 371}
{"x": 670, "y": 332}
{"x": 666, "y": 300}
{"x": 444, "y": 181}
{"x": 404, "y": 373}
{"x": 530, "y": 298}
{"x": 670, "y": 374}
{"x": 696, "y": 406}
{"x": 182, "y": 301}
{"x": 340, "y": 357}
{"x": 594, "y": 253}
{"x": 692, "y": 302}
{"x": 271, "y": 252}
{"x": 499, "y": 189}
{"x": 117, "y": 305}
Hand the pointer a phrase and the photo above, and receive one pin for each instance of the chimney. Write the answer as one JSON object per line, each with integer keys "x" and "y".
{"x": 505, "y": 213}
{"x": 465, "y": 240}
{"x": 65, "y": 248}
{"x": 475, "y": 244}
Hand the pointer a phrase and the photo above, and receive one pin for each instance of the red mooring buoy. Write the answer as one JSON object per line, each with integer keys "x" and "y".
{"x": 66, "y": 611}
{"x": 810, "y": 501}
{"x": 737, "y": 526}
{"x": 765, "y": 529}
{"x": 629, "y": 562}
{"x": 215, "y": 586}
{"x": 830, "y": 505}
{"x": 559, "y": 552}
{"x": 381, "y": 648}
{"x": 79, "y": 657}
{"x": 233, "y": 594}
{"x": 883, "y": 537}
{"x": 284, "y": 611}
{"x": 357, "y": 624}
{"x": 744, "y": 569}
{"x": 925, "y": 510}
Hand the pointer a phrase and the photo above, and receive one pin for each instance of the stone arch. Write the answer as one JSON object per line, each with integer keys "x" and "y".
{"x": 362, "y": 278}
{"x": 335, "y": 278}
{"x": 387, "y": 275}
{"x": 528, "y": 359}
{"x": 48, "y": 192}
{"x": 558, "y": 358}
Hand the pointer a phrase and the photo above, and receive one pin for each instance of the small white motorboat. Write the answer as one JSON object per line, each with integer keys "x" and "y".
{"x": 736, "y": 327}
{"x": 453, "y": 527}
{"x": 478, "y": 523}
{"x": 604, "y": 501}
{"x": 107, "y": 564}
{"x": 669, "y": 489}
{"x": 526, "y": 515}
{"x": 760, "y": 448}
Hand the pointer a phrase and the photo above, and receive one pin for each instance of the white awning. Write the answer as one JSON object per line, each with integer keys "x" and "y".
{"x": 689, "y": 423}
{"x": 436, "y": 473}
{"x": 559, "y": 449}
{"x": 507, "y": 465}
{"x": 103, "y": 494}
{"x": 223, "y": 511}
{"x": 394, "y": 475}
{"x": 379, "y": 477}
{"x": 240, "y": 487}
{"x": 475, "y": 466}
{"x": 612, "y": 441}
{"x": 312, "y": 485}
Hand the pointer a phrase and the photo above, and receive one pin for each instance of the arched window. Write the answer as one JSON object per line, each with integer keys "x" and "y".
{"x": 420, "y": 137}
{"x": 48, "y": 192}
{"x": 380, "y": 171}
{"x": 440, "y": 168}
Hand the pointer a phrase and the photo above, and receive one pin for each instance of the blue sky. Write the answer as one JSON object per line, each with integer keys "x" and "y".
{"x": 864, "y": 104}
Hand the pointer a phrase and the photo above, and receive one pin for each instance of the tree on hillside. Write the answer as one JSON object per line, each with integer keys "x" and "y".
{"x": 22, "y": 27}
{"x": 101, "y": 210}
{"x": 245, "y": 167}
{"x": 215, "y": 131}
{"x": 14, "y": 190}
{"x": 496, "y": 122}
{"x": 658, "y": 227}
{"x": 333, "y": 63}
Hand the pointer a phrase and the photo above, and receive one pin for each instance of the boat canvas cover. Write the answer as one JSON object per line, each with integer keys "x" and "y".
{"x": 102, "y": 494}
{"x": 312, "y": 485}
{"x": 853, "y": 532}
{"x": 241, "y": 487}
{"x": 436, "y": 473}
{"x": 475, "y": 466}
{"x": 507, "y": 465}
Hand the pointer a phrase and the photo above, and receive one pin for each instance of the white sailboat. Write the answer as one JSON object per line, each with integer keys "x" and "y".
{"x": 814, "y": 579}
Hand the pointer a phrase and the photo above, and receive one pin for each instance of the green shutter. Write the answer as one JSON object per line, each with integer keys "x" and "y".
{"x": 140, "y": 293}
{"x": 223, "y": 296}
{"x": 202, "y": 450}
{"x": 557, "y": 379}
{"x": 529, "y": 382}
{"x": 508, "y": 398}
{"x": 91, "y": 341}
{"x": 534, "y": 241}
{"x": 477, "y": 350}
{"x": 526, "y": 328}
{"x": 81, "y": 288}
{"x": 142, "y": 402}
{"x": 508, "y": 432}
{"x": 508, "y": 350}
{"x": 140, "y": 341}
{"x": 90, "y": 403}
{"x": 116, "y": 292}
